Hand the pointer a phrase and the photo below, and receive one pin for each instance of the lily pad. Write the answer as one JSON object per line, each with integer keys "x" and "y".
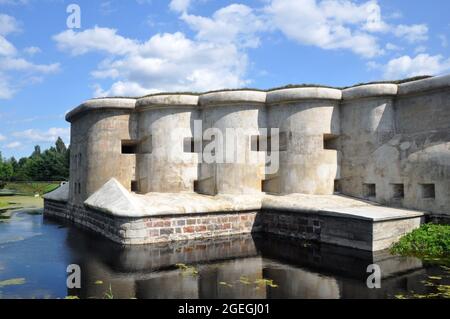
{"x": 12, "y": 282}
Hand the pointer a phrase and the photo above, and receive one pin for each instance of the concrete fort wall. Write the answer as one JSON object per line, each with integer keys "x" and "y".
{"x": 367, "y": 123}
{"x": 96, "y": 139}
{"x": 388, "y": 143}
{"x": 237, "y": 115}
{"x": 305, "y": 117}
{"x": 165, "y": 160}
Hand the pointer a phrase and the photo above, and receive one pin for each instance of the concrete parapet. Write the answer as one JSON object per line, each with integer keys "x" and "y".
{"x": 232, "y": 97}
{"x": 167, "y": 100}
{"x": 102, "y": 104}
{"x": 434, "y": 83}
{"x": 369, "y": 90}
{"x": 304, "y": 93}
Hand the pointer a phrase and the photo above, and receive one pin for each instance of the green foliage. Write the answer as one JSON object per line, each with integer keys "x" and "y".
{"x": 50, "y": 165}
{"x": 430, "y": 240}
{"x": 32, "y": 188}
{"x": 12, "y": 282}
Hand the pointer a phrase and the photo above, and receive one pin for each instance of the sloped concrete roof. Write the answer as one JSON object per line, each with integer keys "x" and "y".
{"x": 114, "y": 199}
{"x": 61, "y": 194}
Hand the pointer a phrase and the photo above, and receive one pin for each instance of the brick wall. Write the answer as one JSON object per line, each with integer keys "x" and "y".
{"x": 157, "y": 229}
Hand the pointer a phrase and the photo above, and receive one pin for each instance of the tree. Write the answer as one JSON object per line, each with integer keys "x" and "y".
{"x": 50, "y": 165}
{"x": 6, "y": 171}
{"x": 60, "y": 146}
{"x": 37, "y": 151}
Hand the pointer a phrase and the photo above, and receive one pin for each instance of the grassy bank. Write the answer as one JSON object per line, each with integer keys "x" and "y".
{"x": 8, "y": 202}
{"x": 29, "y": 188}
{"x": 428, "y": 241}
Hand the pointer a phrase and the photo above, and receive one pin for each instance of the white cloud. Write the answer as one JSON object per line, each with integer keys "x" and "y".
{"x": 32, "y": 50}
{"x": 15, "y": 71}
{"x": 13, "y": 145}
{"x": 420, "y": 49}
{"x": 165, "y": 62}
{"x": 393, "y": 47}
{"x": 51, "y": 135}
{"x": 6, "y": 47}
{"x": 329, "y": 24}
{"x": 19, "y": 64}
{"x": 422, "y": 64}
{"x": 7, "y": 90}
{"x": 96, "y": 39}
{"x": 8, "y": 24}
{"x": 179, "y": 5}
{"x": 412, "y": 33}
{"x": 2, "y": 138}
{"x": 339, "y": 24}
{"x": 444, "y": 40}
{"x": 235, "y": 23}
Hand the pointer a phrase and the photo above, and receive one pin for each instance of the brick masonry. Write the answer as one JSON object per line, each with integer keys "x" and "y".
{"x": 156, "y": 229}
{"x": 343, "y": 231}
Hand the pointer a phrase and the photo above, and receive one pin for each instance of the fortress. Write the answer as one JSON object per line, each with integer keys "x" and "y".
{"x": 357, "y": 167}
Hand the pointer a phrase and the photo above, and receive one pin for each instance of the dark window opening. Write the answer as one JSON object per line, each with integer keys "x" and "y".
{"x": 337, "y": 186}
{"x": 369, "y": 190}
{"x": 283, "y": 141}
{"x": 196, "y": 187}
{"x": 270, "y": 140}
{"x": 260, "y": 143}
{"x": 398, "y": 190}
{"x": 330, "y": 142}
{"x": 134, "y": 186}
{"x": 190, "y": 145}
{"x": 129, "y": 147}
{"x": 428, "y": 191}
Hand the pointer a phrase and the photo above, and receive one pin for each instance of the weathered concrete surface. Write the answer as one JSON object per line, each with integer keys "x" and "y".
{"x": 114, "y": 199}
{"x": 369, "y": 90}
{"x": 385, "y": 142}
{"x": 61, "y": 194}
{"x": 165, "y": 124}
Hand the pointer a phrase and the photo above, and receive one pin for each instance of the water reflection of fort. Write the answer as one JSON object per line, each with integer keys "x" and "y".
{"x": 300, "y": 270}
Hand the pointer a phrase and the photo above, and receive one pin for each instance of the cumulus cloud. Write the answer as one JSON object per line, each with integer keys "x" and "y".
{"x": 216, "y": 55}
{"x": 32, "y": 50}
{"x": 339, "y": 24}
{"x": 412, "y": 33}
{"x": 51, "y": 135}
{"x": 329, "y": 24}
{"x": 13, "y": 145}
{"x": 2, "y": 138}
{"x": 179, "y": 5}
{"x": 171, "y": 61}
{"x": 16, "y": 71}
{"x": 95, "y": 39}
{"x": 235, "y": 23}
{"x": 422, "y": 64}
{"x": 8, "y": 24}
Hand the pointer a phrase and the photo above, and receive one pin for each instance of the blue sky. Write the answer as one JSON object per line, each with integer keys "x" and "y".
{"x": 137, "y": 47}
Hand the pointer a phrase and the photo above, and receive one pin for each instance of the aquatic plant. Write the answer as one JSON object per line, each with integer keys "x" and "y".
{"x": 12, "y": 282}
{"x": 429, "y": 241}
{"x": 187, "y": 270}
{"x": 440, "y": 290}
{"x": 109, "y": 293}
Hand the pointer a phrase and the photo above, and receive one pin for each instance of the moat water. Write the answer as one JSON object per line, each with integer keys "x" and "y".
{"x": 35, "y": 253}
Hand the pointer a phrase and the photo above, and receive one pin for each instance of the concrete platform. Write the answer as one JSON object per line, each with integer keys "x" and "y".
{"x": 160, "y": 217}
